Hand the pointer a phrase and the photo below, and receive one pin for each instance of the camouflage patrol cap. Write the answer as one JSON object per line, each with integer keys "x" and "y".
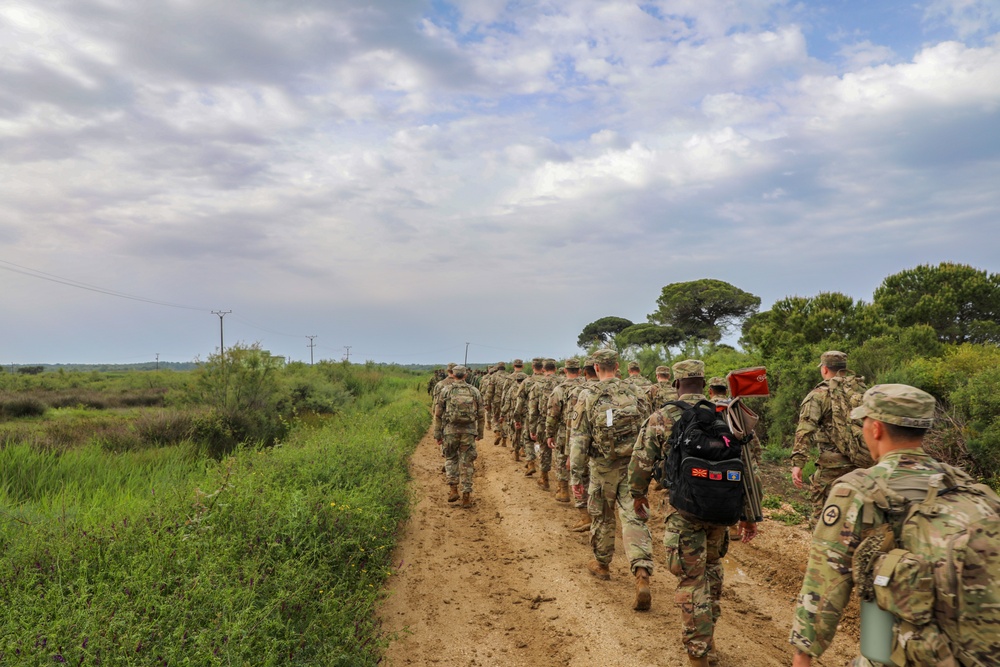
{"x": 662, "y": 370}
{"x": 550, "y": 364}
{"x": 459, "y": 369}
{"x": 572, "y": 364}
{"x": 589, "y": 361}
{"x": 833, "y": 359}
{"x": 633, "y": 365}
{"x": 518, "y": 362}
{"x": 898, "y": 404}
{"x": 717, "y": 382}
{"x": 451, "y": 366}
{"x": 606, "y": 357}
{"x": 689, "y": 368}
{"x": 501, "y": 366}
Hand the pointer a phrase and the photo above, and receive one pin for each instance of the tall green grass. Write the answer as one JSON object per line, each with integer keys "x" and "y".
{"x": 271, "y": 556}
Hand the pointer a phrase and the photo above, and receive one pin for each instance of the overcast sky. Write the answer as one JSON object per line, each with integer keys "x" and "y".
{"x": 405, "y": 177}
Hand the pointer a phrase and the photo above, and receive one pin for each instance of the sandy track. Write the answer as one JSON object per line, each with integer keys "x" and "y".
{"x": 504, "y": 584}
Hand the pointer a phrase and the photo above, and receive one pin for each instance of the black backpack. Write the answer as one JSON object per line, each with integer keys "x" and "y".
{"x": 704, "y": 467}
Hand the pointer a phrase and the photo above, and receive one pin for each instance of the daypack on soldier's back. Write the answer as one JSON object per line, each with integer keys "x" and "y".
{"x": 461, "y": 406}
{"x": 846, "y": 392}
{"x": 945, "y": 573}
{"x": 615, "y": 421}
{"x": 704, "y": 468}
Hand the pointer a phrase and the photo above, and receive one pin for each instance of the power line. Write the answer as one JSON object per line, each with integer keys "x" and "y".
{"x": 34, "y": 273}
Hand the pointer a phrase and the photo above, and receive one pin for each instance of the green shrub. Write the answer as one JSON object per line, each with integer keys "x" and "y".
{"x": 19, "y": 405}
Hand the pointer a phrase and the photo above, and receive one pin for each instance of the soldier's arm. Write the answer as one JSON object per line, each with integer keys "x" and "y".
{"x": 480, "y": 417}
{"x": 649, "y": 447}
{"x": 553, "y": 413}
{"x": 579, "y": 444}
{"x": 438, "y": 422}
{"x": 828, "y": 582}
{"x": 810, "y": 414}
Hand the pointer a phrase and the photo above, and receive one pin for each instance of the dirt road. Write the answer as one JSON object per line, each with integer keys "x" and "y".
{"x": 504, "y": 583}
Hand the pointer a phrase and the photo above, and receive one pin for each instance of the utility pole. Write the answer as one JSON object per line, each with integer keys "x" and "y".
{"x": 157, "y": 361}
{"x": 221, "y": 314}
{"x": 466, "y": 361}
{"x": 348, "y": 357}
{"x": 311, "y": 346}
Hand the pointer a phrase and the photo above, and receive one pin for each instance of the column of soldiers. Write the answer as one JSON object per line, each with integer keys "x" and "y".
{"x": 560, "y": 422}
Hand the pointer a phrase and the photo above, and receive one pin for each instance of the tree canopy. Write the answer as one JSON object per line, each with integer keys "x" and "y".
{"x": 961, "y": 303}
{"x": 602, "y": 331}
{"x": 647, "y": 333}
{"x": 703, "y": 309}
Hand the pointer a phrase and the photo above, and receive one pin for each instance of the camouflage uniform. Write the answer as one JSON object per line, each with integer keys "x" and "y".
{"x": 507, "y": 402}
{"x": 638, "y": 380}
{"x": 557, "y": 419}
{"x": 815, "y": 429}
{"x": 538, "y": 400}
{"x": 459, "y": 440}
{"x": 694, "y": 548}
{"x": 608, "y": 478}
{"x": 852, "y": 514}
{"x": 661, "y": 391}
{"x": 520, "y": 409}
{"x": 580, "y": 475}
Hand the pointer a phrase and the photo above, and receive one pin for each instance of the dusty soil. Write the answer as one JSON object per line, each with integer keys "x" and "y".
{"x": 504, "y": 583}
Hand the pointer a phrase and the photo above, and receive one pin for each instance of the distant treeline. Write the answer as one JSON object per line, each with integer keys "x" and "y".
{"x": 33, "y": 369}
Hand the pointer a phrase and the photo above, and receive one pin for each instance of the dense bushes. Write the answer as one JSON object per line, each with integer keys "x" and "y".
{"x": 270, "y": 556}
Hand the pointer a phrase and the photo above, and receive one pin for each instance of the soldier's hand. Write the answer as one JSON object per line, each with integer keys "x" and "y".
{"x": 578, "y": 491}
{"x": 748, "y": 530}
{"x": 551, "y": 442}
{"x": 534, "y": 436}
{"x": 801, "y": 659}
{"x": 797, "y": 477}
{"x": 440, "y": 441}
{"x": 641, "y": 507}
{"x": 517, "y": 424}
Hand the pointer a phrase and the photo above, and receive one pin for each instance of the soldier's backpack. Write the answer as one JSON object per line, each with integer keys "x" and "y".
{"x": 461, "y": 405}
{"x": 615, "y": 421}
{"x": 846, "y": 392}
{"x": 704, "y": 468}
{"x": 944, "y": 575}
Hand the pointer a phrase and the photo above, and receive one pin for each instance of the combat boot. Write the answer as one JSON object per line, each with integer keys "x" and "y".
{"x": 466, "y": 501}
{"x": 599, "y": 570}
{"x": 713, "y": 657}
{"x": 530, "y": 468}
{"x": 453, "y": 496}
{"x": 543, "y": 480}
{"x": 562, "y": 493}
{"x": 698, "y": 662}
{"x": 517, "y": 454}
{"x": 643, "y": 596}
{"x": 585, "y": 521}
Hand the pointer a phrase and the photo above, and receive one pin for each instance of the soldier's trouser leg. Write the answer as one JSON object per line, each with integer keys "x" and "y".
{"x": 529, "y": 445}
{"x": 635, "y": 534}
{"x": 450, "y": 450}
{"x": 465, "y": 461}
{"x": 583, "y": 503}
{"x": 821, "y": 482}
{"x": 560, "y": 457}
{"x": 602, "y": 516}
{"x": 694, "y": 550}
{"x": 546, "y": 456}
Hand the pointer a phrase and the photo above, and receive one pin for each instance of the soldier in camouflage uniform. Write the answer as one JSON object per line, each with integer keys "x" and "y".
{"x": 458, "y": 440}
{"x": 493, "y": 396}
{"x": 507, "y": 403}
{"x": 538, "y": 401}
{"x": 484, "y": 385}
{"x": 635, "y": 376}
{"x": 816, "y": 429}
{"x": 520, "y": 414}
{"x": 896, "y": 417}
{"x": 609, "y": 472}
{"x": 694, "y": 547}
{"x": 662, "y": 391}
{"x": 579, "y": 479}
{"x": 557, "y": 426}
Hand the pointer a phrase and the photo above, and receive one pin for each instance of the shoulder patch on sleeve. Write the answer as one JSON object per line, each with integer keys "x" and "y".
{"x": 841, "y": 492}
{"x": 831, "y": 515}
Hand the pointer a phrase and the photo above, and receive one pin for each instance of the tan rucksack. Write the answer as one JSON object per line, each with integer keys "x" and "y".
{"x": 846, "y": 392}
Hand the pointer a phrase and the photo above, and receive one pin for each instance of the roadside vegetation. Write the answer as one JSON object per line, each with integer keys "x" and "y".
{"x": 247, "y": 515}
{"x": 934, "y": 327}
